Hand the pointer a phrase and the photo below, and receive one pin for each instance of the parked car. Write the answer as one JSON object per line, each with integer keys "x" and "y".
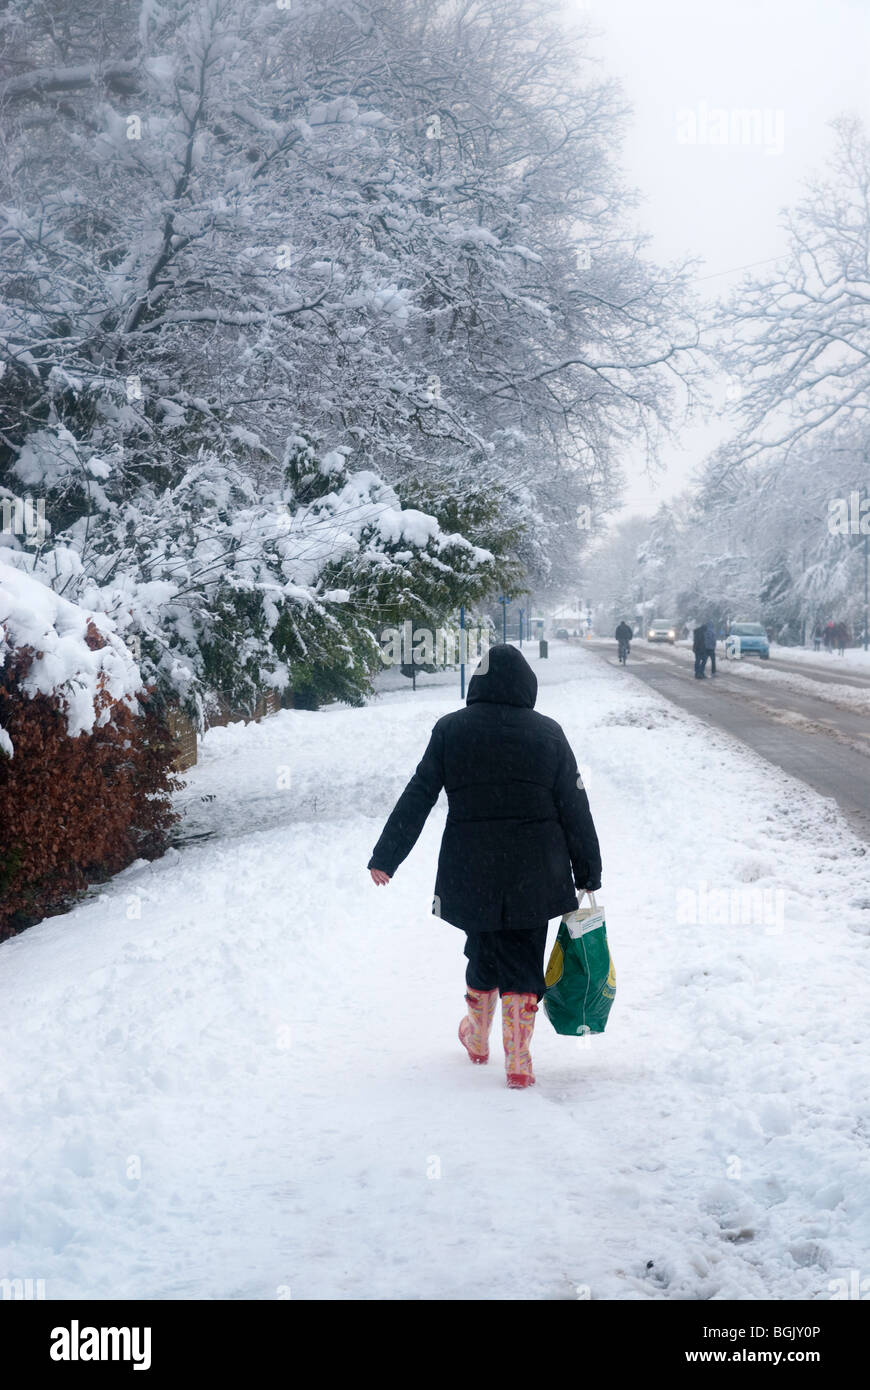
{"x": 661, "y": 630}
{"x": 563, "y": 633}
{"x": 753, "y": 639}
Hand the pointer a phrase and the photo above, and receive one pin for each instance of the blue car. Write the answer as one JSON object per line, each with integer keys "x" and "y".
{"x": 753, "y": 639}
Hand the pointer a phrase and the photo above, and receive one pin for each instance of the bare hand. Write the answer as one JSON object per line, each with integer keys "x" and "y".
{"x": 379, "y": 877}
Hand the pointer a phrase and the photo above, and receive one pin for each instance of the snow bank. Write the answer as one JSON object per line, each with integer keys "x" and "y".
{"x": 768, "y": 673}
{"x": 32, "y": 615}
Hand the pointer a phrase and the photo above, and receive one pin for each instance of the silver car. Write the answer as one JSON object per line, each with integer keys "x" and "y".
{"x": 660, "y": 630}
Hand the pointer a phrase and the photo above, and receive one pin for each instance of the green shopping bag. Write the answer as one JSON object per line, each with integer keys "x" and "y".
{"x": 580, "y": 979}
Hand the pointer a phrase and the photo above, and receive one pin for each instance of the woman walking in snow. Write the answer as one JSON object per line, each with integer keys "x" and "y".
{"x": 518, "y": 844}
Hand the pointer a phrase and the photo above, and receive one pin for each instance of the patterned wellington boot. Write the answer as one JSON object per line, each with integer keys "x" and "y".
{"x": 518, "y": 1023}
{"x": 474, "y": 1028}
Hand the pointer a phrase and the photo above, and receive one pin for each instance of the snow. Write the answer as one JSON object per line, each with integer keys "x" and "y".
{"x": 161, "y": 67}
{"x": 471, "y": 234}
{"x": 342, "y": 109}
{"x": 855, "y": 697}
{"x": 332, "y": 462}
{"x": 235, "y": 1071}
{"x": 406, "y": 524}
{"x": 389, "y": 299}
{"x": 247, "y": 437}
{"x": 754, "y": 669}
{"x": 854, "y": 659}
{"x": 46, "y": 459}
{"x": 32, "y": 615}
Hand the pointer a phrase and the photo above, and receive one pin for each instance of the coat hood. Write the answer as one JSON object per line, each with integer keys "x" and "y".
{"x": 504, "y": 677}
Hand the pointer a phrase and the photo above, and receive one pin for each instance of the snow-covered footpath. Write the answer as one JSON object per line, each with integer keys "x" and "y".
{"x": 235, "y": 1074}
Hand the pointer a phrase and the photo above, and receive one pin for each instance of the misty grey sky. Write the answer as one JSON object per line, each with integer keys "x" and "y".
{"x": 804, "y": 62}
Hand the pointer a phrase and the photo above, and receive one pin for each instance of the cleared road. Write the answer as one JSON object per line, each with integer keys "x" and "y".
{"x": 824, "y": 743}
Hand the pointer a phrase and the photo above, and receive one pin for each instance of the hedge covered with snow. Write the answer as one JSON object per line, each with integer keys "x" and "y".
{"x": 84, "y": 761}
{"x": 77, "y": 656}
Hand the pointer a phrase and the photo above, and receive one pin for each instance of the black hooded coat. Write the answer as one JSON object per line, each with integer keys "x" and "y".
{"x": 519, "y": 833}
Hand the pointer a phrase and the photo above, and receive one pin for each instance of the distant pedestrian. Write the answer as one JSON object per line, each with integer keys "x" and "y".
{"x": 699, "y": 647}
{"x": 817, "y": 637}
{"x": 828, "y": 636}
{"x": 843, "y": 638}
{"x": 710, "y": 647}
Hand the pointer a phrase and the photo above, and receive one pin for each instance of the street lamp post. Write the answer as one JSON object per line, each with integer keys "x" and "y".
{"x": 866, "y": 609}
{"x": 866, "y": 540}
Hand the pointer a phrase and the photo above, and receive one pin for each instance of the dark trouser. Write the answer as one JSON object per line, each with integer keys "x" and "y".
{"x": 700, "y": 663}
{"x": 510, "y": 961}
{"x": 711, "y": 657}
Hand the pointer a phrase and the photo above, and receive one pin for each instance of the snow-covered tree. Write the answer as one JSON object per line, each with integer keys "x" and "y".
{"x": 798, "y": 340}
{"x": 397, "y": 233}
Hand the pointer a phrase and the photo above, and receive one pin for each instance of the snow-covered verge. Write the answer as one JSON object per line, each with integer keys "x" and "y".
{"x": 854, "y": 696}
{"x": 235, "y": 1072}
{"x": 854, "y": 659}
{"x": 752, "y": 668}
{"x": 67, "y": 660}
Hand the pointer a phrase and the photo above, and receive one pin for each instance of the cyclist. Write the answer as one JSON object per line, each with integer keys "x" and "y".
{"x": 623, "y": 636}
